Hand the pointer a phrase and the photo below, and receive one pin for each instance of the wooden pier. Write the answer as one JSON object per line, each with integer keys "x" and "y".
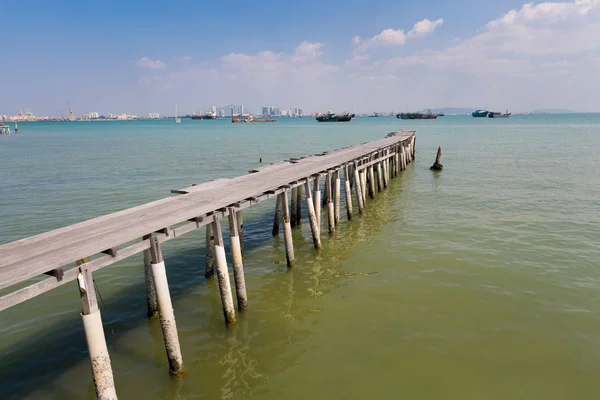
{"x": 74, "y": 252}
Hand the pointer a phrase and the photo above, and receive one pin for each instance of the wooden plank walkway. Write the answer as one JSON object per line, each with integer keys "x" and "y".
{"x": 102, "y": 241}
{"x": 30, "y": 257}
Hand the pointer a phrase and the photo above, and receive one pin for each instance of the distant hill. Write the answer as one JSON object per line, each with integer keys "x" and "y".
{"x": 553, "y": 111}
{"x": 453, "y": 110}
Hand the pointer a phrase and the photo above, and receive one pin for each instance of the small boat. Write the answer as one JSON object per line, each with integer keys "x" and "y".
{"x": 210, "y": 114}
{"x": 375, "y": 114}
{"x": 441, "y": 114}
{"x": 499, "y": 115}
{"x": 249, "y": 119}
{"x": 333, "y": 117}
{"x": 417, "y": 115}
{"x": 177, "y": 119}
{"x": 480, "y": 113}
{"x": 16, "y": 128}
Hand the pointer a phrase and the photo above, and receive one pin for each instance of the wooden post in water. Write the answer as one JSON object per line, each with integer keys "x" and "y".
{"x": 276, "y": 217}
{"x": 347, "y": 191}
{"x": 396, "y": 160}
{"x": 317, "y": 199}
{"x": 151, "y": 304}
{"x": 363, "y": 185}
{"x": 358, "y": 189}
{"x": 165, "y": 308}
{"x": 403, "y": 156}
{"x": 287, "y": 229}
{"x": 209, "y": 268}
{"x": 371, "y": 182}
{"x": 299, "y": 205}
{"x": 379, "y": 176}
{"x": 94, "y": 336}
{"x": 223, "y": 274}
{"x": 239, "y": 216}
{"x": 385, "y": 170}
{"x": 237, "y": 260}
{"x": 294, "y": 207}
{"x": 330, "y": 206}
{"x": 338, "y": 195}
{"x": 312, "y": 218}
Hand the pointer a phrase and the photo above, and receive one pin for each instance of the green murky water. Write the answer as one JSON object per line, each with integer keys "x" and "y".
{"x": 481, "y": 282}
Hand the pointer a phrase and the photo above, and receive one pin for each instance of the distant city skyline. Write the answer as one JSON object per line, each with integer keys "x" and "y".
{"x": 389, "y": 55}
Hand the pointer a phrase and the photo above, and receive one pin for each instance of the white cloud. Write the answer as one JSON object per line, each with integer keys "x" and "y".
{"x": 425, "y": 27}
{"x": 146, "y": 62}
{"x": 385, "y": 38}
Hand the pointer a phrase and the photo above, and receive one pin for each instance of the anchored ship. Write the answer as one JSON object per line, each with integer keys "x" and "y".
{"x": 480, "y": 113}
{"x": 333, "y": 117}
{"x": 417, "y": 115}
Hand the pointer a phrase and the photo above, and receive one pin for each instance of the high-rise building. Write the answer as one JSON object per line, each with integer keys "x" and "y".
{"x": 300, "y": 113}
{"x": 93, "y": 115}
{"x": 221, "y": 113}
{"x": 241, "y": 109}
{"x": 266, "y": 111}
{"x": 151, "y": 116}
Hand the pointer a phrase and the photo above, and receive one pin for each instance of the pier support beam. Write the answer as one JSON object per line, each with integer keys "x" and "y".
{"x": 312, "y": 218}
{"x": 239, "y": 216}
{"x": 348, "y": 192}
{"x": 223, "y": 274}
{"x": 317, "y": 199}
{"x": 287, "y": 229}
{"x": 363, "y": 185}
{"x": 396, "y": 159}
{"x": 94, "y": 335}
{"x": 276, "y": 217}
{"x": 338, "y": 194}
{"x": 330, "y": 206}
{"x": 298, "y": 205}
{"x": 293, "y": 207}
{"x": 151, "y": 304}
{"x": 209, "y": 267}
{"x": 414, "y": 147}
{"x": 165, "y": 308}
{"x": 371, "y": 182}
{"x": 358, "y": 189}
{"x": 237, "y": 260}
{"x": 379, "y": 177}
{"x": 402, "y": 157}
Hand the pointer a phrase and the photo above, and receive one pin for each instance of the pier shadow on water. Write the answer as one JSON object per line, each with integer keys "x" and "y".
{"x": 47, "y": 348}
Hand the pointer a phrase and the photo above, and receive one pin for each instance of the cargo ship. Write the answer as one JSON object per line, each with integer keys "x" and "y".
{"x": 210, "y": 114}
{"x": 333, "y": 117}
{"x": 417, "y": 115}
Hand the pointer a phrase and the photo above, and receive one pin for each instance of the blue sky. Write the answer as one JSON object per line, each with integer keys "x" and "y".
{"x": 140, "y": 57}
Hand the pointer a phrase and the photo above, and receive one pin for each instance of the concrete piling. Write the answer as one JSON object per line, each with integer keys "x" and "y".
{"x": 209, "y": 267}
{"x": 379, "y": 177}
{"x": 239, "y": 216}
{"x": 330, "y": 206}
{"x": 299, "y": 205}
{"x": 165, "y": 308}
{"x": 287, "y": 229}
{"x": 358, "y": 189}
{"x": 347, "y": 191}
{"x": 223, "y": 274}
{"x": 151, "y": 303}
{"x": 371, "y": 182}
{"x": 317, "y": 199}
{"x": 276, "y": 217}
{"x": 337, "y": 197}
{"x": 94, "y": 335}
{"x": 294, "y": 207}
{"x": 237, "y": 260}
{"x": 312, "y": 218}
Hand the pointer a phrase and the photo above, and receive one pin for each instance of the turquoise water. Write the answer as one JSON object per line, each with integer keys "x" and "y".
{"x": 480, "y": 282}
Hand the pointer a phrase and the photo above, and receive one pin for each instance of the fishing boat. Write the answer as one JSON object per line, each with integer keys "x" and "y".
{"x": 177, "y": 119}
{"x": 249, "y": 119}
{"x": 499, "y": 115}
{"x": 417, "y": 115}
{"x": 480, "y": 113}
{"x": 375, "y": 114}
{"x": 333, "y": 117}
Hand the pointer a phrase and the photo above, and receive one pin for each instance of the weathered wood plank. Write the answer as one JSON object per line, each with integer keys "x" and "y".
{"x": 33, "y": 256}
